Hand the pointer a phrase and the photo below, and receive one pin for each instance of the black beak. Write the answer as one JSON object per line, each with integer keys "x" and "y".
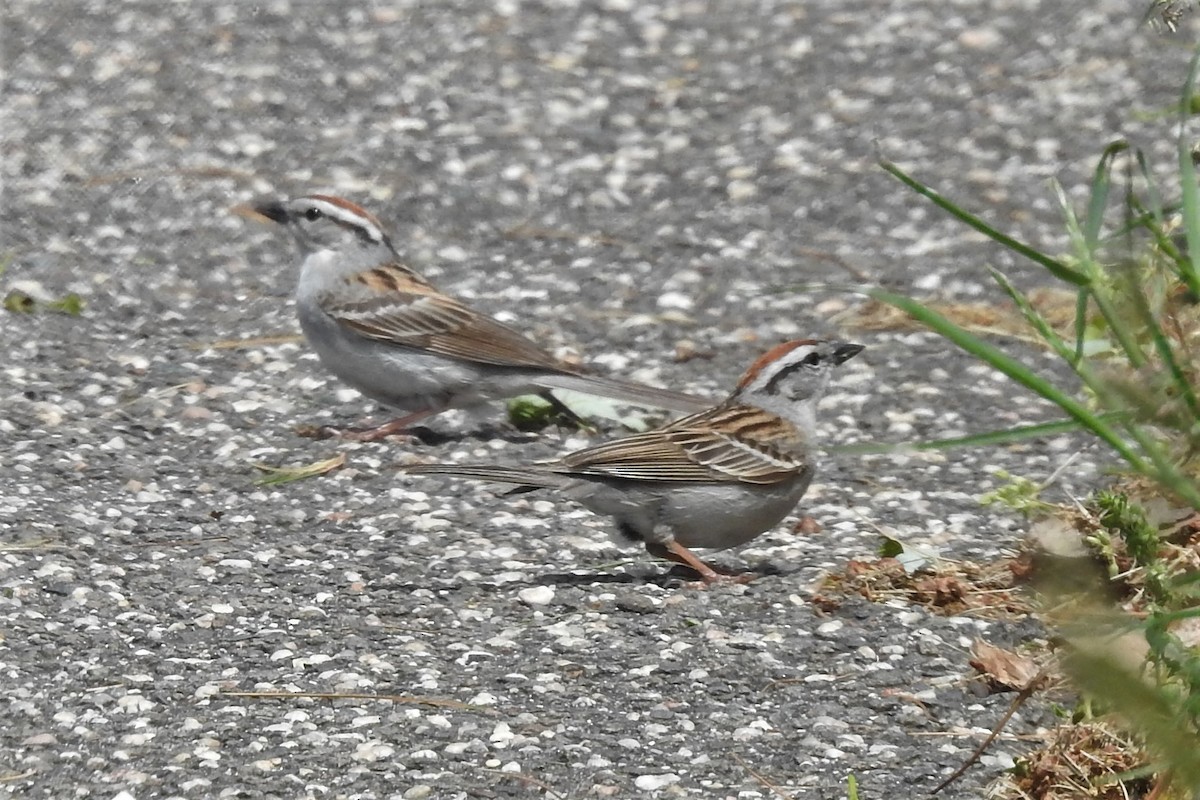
{"x": 272, "y": 210}
{"x": 844, "y": 351}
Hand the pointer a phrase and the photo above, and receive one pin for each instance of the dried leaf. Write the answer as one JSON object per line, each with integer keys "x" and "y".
{"x": 246, "y": 344}
{"x": 1004, "y": 669}
{"x": 941, "y": 590}
{"x": 807, "y": 525}
{"x": 279, "y": 475}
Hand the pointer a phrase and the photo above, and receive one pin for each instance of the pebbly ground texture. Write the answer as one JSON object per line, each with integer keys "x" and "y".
{"x": 620, "y": 180}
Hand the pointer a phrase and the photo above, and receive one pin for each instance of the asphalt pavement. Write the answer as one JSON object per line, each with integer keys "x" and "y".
{"x": 626, "y": 182}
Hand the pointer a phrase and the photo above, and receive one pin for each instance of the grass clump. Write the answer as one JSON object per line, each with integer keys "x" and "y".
{"x": 1131, "y": 344}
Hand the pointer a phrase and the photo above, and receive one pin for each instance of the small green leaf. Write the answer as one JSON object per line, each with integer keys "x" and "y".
{"x": 18, "y": 302}
{"x": 530, "y": 413}
{"x": 21, "y": 303}
{"x": 890, "y": 548}
{"x": 71, "y": 304}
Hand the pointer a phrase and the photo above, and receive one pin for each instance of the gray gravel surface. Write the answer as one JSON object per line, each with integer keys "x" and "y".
{"x": 614, "y": 177}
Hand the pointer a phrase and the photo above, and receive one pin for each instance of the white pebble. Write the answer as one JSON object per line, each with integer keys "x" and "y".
{"x": 652, "y": 783}
{"x": 372, "y": 751}
{"x": 745, "y": 734}
{"x": 502, "y": 733}
{"x": 536, "y": 595}
{"x": 741, "y": 190}
{"x": 676, "y": 300}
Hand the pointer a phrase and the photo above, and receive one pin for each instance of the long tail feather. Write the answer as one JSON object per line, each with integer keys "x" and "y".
{"x": 522, "y": 476}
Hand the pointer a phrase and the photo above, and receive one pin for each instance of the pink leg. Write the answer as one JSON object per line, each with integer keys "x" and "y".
{"x": 676, "y": 552}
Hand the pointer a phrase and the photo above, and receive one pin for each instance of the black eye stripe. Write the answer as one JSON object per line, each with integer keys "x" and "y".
{"x": 811, "y": 360}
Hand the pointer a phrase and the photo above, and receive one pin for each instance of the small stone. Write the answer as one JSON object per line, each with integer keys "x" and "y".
{"x": 39, "y": 740}
{"x": 741, "y": 190}
{"x": 636, "y": 603}
{"x": 675, "y": 300}
{"x": 746, "y": 733}
{"x": 536, "y": 595}
{"x": 502, "y": 734}
{"x": 831, "y": 627}
{"x": 980, "y": 38}
{"x": 652, "y": 783}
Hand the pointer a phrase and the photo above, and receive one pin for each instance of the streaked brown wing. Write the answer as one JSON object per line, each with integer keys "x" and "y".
{"x": 394, "y": 306}
{"x": 715, "y": 445}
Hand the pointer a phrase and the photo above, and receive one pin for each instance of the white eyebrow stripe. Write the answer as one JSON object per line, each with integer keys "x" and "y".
{"x": 348, "y": 217}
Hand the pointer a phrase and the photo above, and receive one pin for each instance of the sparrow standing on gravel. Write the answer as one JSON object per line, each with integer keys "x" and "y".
{"x": 386, "y": 331}
{"x": 714, "y": 479}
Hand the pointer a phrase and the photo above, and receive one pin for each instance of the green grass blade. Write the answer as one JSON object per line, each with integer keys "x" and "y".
{"x": 1167, "y": 617}
{"x": 1156, "y": 206}
{"x": 1099, "y": 290}
{"x": 1148, "y": 708}
{"x": 986, "y": 439}
{"x": 1155, "y": 227}
{"x": 1190, "y": 268}
{"x": 1014, "y": 369}
{"x": 1060, "y": 347}
{"x": 1162, "y": 344}
{"x": 1081, "y": 310}
{"x": 1055, "y": 267}
{"x": 1163, "y": 469}
{"x": 1035, "y": 319}
{"x": 1098, "y": 201}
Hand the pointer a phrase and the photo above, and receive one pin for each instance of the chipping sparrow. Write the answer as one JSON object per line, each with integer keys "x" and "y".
{"x": 715, "y": 479}
{"x": 390, "y": 334}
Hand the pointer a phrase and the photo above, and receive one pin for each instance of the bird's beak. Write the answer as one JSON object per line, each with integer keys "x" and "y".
{"x": 844, "y": 351}
{"x": 265, "y": 211}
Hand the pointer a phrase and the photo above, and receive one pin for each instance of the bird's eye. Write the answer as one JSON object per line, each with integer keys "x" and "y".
{"x": 312, "y": 214}
{"x": 811, "y": 360}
